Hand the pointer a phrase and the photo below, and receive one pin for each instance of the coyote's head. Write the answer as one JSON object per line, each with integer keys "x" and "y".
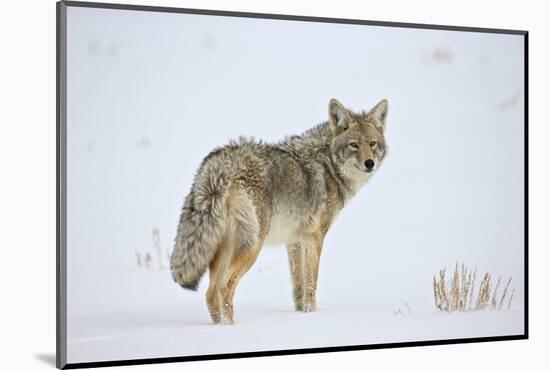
{"x": 358, "y": 145}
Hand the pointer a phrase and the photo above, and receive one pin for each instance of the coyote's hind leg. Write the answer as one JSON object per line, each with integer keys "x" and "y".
{"x": 244, "y": 238}
{"x": 218, "y": 269}
{"x": 240, "y": 264}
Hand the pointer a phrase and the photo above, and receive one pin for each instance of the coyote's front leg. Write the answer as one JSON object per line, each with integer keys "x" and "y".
{"x": 312, "y": 252}
{"x": 304, "y": 268}
{"x": 296, "y": 263}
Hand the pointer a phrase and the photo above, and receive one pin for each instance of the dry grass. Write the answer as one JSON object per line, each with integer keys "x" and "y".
{"x": 146, "y": 260}
{"x": 457, "y": 293}
{"x": 156, "y": 243}
{"x": 403, "y": 313}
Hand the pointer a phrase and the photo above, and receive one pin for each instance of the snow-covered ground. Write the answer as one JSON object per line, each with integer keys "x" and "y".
{"x": 149, "y": 94}
{"x": 159, "y": 319}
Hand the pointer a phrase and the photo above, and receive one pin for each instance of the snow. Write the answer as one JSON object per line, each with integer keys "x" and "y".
{"x": 149, "y": 94}
{"x": 159, "y": 319}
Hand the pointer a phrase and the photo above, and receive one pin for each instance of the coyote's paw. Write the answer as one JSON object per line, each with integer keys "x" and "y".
{"x": 309, "y": 307}
{"x": 226, "y": 321}
{"x": 215, "y": 315}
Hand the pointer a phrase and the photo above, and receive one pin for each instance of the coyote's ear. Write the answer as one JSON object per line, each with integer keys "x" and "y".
{"x": 338, "y": 116}
{"x": 378, "y": 114}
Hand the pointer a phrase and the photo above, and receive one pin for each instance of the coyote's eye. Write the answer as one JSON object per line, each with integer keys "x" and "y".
{"x": 373, "y": 144}
{"x": 354, "y": 145}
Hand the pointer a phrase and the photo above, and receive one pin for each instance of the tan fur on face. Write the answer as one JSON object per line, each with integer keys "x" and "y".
{"x": 247, "y": 194}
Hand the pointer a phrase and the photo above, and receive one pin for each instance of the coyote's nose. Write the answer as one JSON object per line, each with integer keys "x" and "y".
{"x": 369, "y": 164}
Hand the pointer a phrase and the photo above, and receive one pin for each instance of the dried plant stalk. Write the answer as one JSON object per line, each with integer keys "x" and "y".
{"x": 504, "y": 294}
{"x": 510, "y": 300}
{"x": 463, "y": 287}
{"x": 436, "y": 294}
{"x": 147, "y": 260}
{"x": 408, "y": 308}
{"x": 443, "y": 294}
{"x": 471, "y": 289}
{"x": 494, "y": 299}
{"x": 484, "y": 292}
{"x": 156, "y": 243}
{"x": 457, "y": 293}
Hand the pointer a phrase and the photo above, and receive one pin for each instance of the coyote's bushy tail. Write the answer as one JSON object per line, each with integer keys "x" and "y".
{"x": 202, "y": 223}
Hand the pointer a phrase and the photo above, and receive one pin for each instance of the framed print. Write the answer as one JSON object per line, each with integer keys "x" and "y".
{"x": 237, "y": 184}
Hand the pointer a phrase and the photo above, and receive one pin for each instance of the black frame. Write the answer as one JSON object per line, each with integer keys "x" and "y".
{"x": 61, "y": 170}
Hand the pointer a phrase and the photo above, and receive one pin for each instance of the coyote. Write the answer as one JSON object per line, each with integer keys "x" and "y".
{"x": 249, "y": 193}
